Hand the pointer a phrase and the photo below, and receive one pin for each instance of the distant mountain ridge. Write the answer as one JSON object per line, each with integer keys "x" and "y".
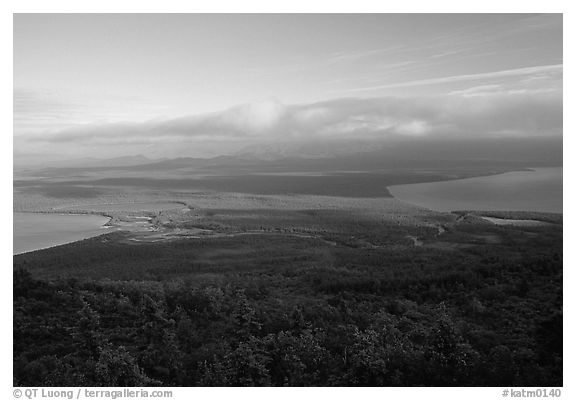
{"x": 92, "y": 162}
{"x": 308, "y": 149}
{"x": 377, "y": 155}
{"x": 296, "y": 157}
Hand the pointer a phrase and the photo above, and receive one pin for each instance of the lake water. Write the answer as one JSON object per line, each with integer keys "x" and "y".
{"x": 537, "y": 190}
{"x": 34, "y": 231}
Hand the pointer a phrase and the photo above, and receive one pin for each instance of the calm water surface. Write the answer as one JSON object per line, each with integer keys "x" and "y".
{"x": 536, "y": 190}
{"x": 33, "y": 231}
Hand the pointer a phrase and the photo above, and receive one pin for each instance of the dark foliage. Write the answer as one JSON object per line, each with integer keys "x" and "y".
{"x": 269, "y": 311}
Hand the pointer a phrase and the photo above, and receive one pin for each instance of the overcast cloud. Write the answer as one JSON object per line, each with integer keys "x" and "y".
{"x": 479, "y": 111}
{"x": 167, "y": 91}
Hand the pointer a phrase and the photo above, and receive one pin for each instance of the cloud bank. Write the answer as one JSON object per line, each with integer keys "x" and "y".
{"x": 477, "y": 112}
{"x": 529, "y": 105}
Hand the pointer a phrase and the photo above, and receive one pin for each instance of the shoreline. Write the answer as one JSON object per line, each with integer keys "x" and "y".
{"x": 106, "y": 228}
{"x": 419, "y": 198}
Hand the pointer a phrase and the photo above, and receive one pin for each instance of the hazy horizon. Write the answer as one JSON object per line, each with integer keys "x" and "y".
{"x": 203, "y": 85}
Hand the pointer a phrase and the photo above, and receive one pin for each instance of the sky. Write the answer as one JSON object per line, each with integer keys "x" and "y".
{"x": 167, "y": 85}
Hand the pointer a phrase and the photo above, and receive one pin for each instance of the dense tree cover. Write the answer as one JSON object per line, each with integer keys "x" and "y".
{"x": 272, "y": 311}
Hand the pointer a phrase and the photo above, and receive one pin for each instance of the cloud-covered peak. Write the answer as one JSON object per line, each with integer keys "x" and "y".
{"x": 486, "y": 111}
{"x": 254, "y": 118}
